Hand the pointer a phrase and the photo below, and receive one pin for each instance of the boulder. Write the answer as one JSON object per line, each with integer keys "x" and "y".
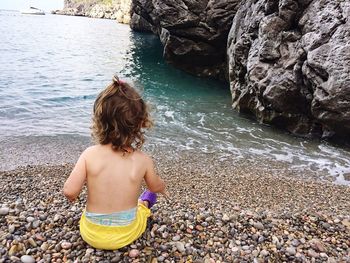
{"x": 289, "y": 64}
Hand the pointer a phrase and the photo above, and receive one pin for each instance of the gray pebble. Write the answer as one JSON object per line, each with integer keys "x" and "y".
{"x": 4, "y": 211}
{"x": 291, "y": 251}
{"x": 258, "y": 225}
{"x": 176, "y": 238}
{"x": 116, "y": 258}
{"x": 180, "y": 246}
{"x": 27, "y": 259}
{"x": 36, "y": 224}
{"x": 30, "y": 219}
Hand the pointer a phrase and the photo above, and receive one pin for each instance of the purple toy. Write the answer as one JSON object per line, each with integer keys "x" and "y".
{"x": 150, "y": 197}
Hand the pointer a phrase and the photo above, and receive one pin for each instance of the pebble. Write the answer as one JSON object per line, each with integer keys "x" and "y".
{"x": 235, "y": 249}
{"x": 258, "y": 225}
{"x": 116, "y": 259}
{"x": 89, "y": 251}
{"x": 27, "y": 259}
{"x": 134, "y": 253}
{"x": 317, "y": 245}
{"x": 176, "y": 238}
{"x": 291, "y": 251}
{"x": 209, "y": 219}
{"x": 160, "y": 258}
{"x": 4, "y": 211}
{"x": 44, "y": 246}
{"x": 225, "y": 218}
{"x": 66, "y": 245}
{"x": 32, "y": 242}
{"x": 36, "y": 224}
{"x": 191, "y": 231}
{"x": 43, "y": 217}
{"x": 11, "y": 229}
{"x": 312, "y": 253}
{"x": 180, "y": 246}
{"x": 30, "y": 219}
{"x": 162, "y": 228}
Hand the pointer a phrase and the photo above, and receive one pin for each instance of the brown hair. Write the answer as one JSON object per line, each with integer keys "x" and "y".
{"x": 119, "y": 116}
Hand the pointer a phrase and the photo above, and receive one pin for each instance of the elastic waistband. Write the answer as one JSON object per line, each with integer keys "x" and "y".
{"x": 121, "y": 218}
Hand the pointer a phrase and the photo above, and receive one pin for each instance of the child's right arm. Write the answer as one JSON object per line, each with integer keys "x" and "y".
{"x": 153, "y": 181}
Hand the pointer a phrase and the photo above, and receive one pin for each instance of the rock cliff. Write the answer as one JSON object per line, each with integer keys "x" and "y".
{"x": 193, "y": 32}
{"x": 109, "y": 9}
{"x": 289, "y": 64}
{"x": 287, "y": 61}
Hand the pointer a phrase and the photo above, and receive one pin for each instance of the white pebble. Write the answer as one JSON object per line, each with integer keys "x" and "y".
{"x": 27, "y": 259}
{"x": 4, "y": 211}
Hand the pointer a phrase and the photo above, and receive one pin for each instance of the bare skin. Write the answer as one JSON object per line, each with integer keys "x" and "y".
{"x": 113, "y": 178}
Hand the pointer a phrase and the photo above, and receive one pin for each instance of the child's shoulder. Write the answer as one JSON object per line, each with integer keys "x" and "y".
{"x": 146, "y": 157}
{"x": 91, "y": 150}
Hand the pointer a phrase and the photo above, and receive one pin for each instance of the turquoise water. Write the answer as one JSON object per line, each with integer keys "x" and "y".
{"x": 52, "y": 68}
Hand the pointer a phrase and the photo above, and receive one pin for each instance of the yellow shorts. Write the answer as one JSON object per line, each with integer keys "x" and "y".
{"x": 114, "y": 237}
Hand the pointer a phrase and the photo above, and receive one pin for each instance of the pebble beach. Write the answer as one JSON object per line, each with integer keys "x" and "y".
{"x": 217, "y": 212}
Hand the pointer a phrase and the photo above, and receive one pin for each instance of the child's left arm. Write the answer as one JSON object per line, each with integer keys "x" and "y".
{"x": 76, "y": 180}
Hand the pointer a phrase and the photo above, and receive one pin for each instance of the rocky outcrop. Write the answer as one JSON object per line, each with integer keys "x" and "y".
{"x": 289, "y": 64}
{"x": 113, "y": 9}
{"x": 287, "y": 61}
{"x": 193, "y": 32}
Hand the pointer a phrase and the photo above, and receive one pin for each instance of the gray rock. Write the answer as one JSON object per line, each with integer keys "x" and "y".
{"x": 66, "y": 245}
{"x": 180, "y": 246}
{"x": 287, "y": 61}
{"x": 193, "y": 33}
{"x": 116, "y": 258}
{"x": 4, "y": 211}
{"x": 291, "y": 251}
{"x": 176, "y": 238}
{"x": 160, "y": 258}
{"x": 312, "y": 253}
{"x": 258, "y": 225}
{"x": 11, "y": 229}
{"x": 36, "y": 224}
{"x": 27, "y": 259}
{"x": 295, "y": 77}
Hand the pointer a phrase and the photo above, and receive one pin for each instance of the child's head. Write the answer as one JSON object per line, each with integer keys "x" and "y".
{"x": 119, "y": 116}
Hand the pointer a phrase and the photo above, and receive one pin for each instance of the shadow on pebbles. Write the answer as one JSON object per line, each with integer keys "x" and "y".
{"x": 218, "y": 212}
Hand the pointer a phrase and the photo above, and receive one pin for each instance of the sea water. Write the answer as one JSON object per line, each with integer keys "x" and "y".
{"x": 52, "y": 68}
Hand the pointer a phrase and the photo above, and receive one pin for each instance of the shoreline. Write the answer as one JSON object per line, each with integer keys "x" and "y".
{"x": 218, "y": 213}
{"x": 65, "y": 149}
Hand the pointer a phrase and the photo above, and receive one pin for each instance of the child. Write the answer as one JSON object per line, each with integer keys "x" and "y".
{"x": 114, "y": 170}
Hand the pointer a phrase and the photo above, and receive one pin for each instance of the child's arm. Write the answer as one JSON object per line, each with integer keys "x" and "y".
{"x": 76, "y": 180}
{"x": 153, "y": 181}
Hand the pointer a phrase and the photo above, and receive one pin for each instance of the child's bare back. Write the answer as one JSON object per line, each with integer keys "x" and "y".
{"x": 113, "y": 178}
